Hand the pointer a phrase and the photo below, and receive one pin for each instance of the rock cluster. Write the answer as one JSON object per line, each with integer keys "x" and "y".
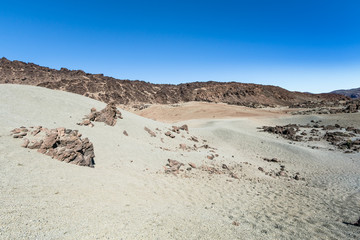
{"x": 176, "y": 129}
{"x": 223, "y": 169}
{"x": 173, "y": 166}
{"x": 108, "y": 115}
{"x": 282, "y": 173}
{"x": 275, "y": 160}
{"x": 344, "y": 139}
{"x": 60, "y": 143}
{"x": 169, "y": 134}
{"x": 349, "y": 107}
{"x": 19, "y": 132}
{"x": 288, "y": 131}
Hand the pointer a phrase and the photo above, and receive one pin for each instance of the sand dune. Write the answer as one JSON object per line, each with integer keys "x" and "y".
{"x": 128, "y": 196}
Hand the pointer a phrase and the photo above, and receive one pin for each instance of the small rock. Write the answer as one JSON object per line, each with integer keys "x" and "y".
{"x": 183, "y": 146}
{"x": 224, "y": 166}
{"x": 357, "y": 223}
{"x": 25, "y": 143}
{"x": 169, "y": 134}
{"x": 233, "y": 175}
{"x": 192, "y": 165}
{"x": 193, "y": 138}
{"x": 235, "y": 223}
{"x": 152, "y": 134}
{"x": 282, "y": 174}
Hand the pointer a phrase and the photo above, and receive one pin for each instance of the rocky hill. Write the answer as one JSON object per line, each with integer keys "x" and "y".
{"x": 106, "y": 89}
{"x": 351, "y": 93}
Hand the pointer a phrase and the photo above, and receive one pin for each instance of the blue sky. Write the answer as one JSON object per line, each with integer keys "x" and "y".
{"x": 299, "y": 45}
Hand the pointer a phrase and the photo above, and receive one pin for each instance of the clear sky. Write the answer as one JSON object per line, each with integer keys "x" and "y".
{"x": 307, "y": 45}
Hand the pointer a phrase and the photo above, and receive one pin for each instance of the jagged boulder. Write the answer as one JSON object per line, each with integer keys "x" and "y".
{"x": 62, "y": 144}
{"x": 108, "y": 115}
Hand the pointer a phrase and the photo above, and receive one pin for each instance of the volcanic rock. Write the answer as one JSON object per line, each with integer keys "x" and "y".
{"x": 173, "y": 166}
{"x": 25, "y": 143}
{"x": 357, "y": 223}
{"x": 152, "y": 134}
{"x": 108, "y": 115}
{"x": 108, "y": 89}
{"x": 183, "y": 146}
{"x": 169, "y": 134}
{"x": 192, "y": 165}
{"x": 63, "y": 145}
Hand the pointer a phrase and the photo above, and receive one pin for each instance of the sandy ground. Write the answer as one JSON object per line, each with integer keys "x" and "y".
{"x": 128, "y": 196}
{"x": 202, "y": 110}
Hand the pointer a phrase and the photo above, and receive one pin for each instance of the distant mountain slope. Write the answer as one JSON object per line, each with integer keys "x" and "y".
{"x": 106, "y": 89}
{"x": 351, "y": 93}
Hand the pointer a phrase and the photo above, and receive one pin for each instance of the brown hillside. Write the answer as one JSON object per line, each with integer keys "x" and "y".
{"x": 108, "y": 89}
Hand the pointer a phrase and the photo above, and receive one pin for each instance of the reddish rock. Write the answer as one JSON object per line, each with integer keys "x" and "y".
{"x": 184, "y": 127}
{"x": 20, "y": 135}
{"x": 193, "y": 138}
{"x": 25, "y": 143}
{"x": 233, "y": 175}
{"x": 35, "y": 144}
{"x": 169, "y": 134}
{"x": 282, "y": 174}
{"x": 108, "y": 115}
{"x": 65, "y": 145}
{"x": 36, "y": 131}
{"x": 173, "y": 166}
{"x": 49, "y": 140}
{"x": 176, "y": 129}
{"x": 183, "y": 146}
{"x": 152, "y": 134}
{"x": 192, "y": 165}
{"x": 86, "y": 122}
{"x": 16, "y": 131}
{"x": 61, "y": 131}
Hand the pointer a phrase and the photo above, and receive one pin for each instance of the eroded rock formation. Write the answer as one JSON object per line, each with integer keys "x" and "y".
{"x": 60, "y": 143}
{"x": 108, "y": 115}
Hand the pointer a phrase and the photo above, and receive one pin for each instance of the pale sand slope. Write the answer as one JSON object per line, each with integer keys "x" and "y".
{"x": 42, "y": 198}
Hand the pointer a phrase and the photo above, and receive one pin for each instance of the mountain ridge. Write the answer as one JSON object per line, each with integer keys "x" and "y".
{"x": 130, "y": 92}
{"x": 351, "y": 93}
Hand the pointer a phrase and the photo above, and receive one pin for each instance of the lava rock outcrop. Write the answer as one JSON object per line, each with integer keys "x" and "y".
{"x": 108, "y": 89}
{"x": 62, "y": 144}
{"x": 108, "y": 115}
